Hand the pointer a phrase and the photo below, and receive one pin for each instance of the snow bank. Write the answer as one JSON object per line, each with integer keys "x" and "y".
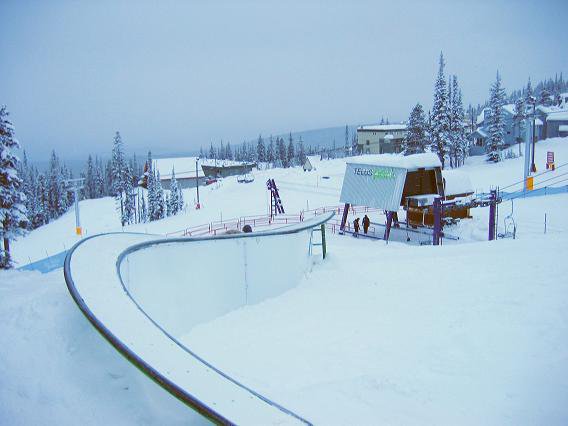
{"x": 468, "y": 334}
{"x": 456, "y": 182}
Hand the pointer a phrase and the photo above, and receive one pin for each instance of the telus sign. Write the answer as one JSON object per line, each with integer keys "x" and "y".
{"x": 375, "y": 174}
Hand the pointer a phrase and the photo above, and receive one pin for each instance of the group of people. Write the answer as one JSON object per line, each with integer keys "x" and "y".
{"x": 356, "y": 226}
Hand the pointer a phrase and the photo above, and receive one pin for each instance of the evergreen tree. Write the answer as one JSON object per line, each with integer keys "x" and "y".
{"x": 173, "y": 201}
{"x": 290, "y": 155}
{"x": 143, "y": 210}
{"x": 529, "y": 92}
{"x": 228, "y": 152}
{"x": 89, "y": 184}
{"x": 160, "y": 202}
{"x": 211, "y": 151}
{"x": 301, "y": 152}
{"x": 57, "y": 198}
{"x": 545, "y": 98}
{"x": 270, "y": 157}
{"x": 120, "y": 176}
{"x": 260, "y": 150}
{"x": 440, "y": 116}
{"x": 99, "y": 179}
{"x": 13, "y": 219}
{"x": 458, "y": 138}
{"x": 496, "y": 123}
{"x": 281, "y": 152}
{"x": 415, "y": 140}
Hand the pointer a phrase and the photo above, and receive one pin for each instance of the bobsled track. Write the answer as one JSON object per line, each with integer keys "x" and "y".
{"x": 142, "y": 292}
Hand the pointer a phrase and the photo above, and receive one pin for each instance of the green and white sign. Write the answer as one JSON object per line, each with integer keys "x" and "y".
{"x": 373, "y": 186}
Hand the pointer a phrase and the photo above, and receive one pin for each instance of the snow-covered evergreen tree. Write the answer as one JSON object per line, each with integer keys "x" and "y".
{"x": 496, "y": 123}
{"x": 415, "y": 140}
{"x": 281, "y": 152}
{"x": 129, "y": 211}
{"x": 458, "y": 139}
{"x": 160, "y": 205}
{"x": 57, "y": 194}
{"x": 270, "y": 157}
{"x": 545, "y": 98}
{"x": 260, "y": 150}
{"x": 120, "y": 175}
{"x": 13, "y": 219}
{"x": 290, "y": 154}
{"x": 89, "y": 185}
{"x": 173, "y": 200}
{"x": 440, "y": 117}
{"x": 301, "y": 152}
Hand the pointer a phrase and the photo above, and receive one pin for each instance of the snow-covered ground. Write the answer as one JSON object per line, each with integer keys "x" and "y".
{"x": 463, "y": 333}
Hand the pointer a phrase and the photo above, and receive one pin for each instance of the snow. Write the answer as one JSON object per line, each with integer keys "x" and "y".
{"x": 398, "y": 160}
{"x": 383, "y": 127}
{"x": 557, "y": 116}
{"x": 457, "y": 182}
{"x": 563, "y": 128}
{"x": 468, "y": 333}
{"x": 484, "y": 342}
{"x": 56, "y": 369}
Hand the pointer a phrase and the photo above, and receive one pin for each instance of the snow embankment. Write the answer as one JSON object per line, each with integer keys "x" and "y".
{"x": 56, "y": 369}
{"x": 469, "y": 334}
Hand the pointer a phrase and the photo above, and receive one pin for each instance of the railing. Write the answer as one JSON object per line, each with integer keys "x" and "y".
{"x": 262, "y": 221}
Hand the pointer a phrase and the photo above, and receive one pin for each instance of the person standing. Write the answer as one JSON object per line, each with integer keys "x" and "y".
{"x": 356, "y": 227}
{"x": 366, "y": 223}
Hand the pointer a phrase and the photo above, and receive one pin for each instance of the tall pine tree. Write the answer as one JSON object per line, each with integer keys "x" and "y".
{"x": 13, "y": 219}
{"x": 415, "y": 140}
{"x": 440, "y": 118}
{"x": 496, "y": 123}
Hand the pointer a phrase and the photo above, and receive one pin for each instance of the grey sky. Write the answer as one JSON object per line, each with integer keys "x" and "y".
{"x": 176, "y": 75}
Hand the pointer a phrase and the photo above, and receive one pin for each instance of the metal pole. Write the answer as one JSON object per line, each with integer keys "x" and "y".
{"x": 197, "y": 182}
{"x": 545, "y": 223}
{"x": 533, "y": 166}
{"x": 492, "y": 205}
{"x": 77, "y": 217}
{"x": 437, "y": 221}
{"x": 323, "y": 243}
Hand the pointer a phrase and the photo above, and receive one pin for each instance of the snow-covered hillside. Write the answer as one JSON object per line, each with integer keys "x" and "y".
{"x": 464, "y": 333}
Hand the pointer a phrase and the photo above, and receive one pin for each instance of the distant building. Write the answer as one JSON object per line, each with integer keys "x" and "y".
{"x": 479, "y": 139}
{"x": 307, "y": 166}
{"x": 380, "y": 138}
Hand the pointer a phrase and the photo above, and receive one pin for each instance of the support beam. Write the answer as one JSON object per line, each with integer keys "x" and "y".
{"x": 344, "y": 217}
{"x": 437, "y": 235}
{"x": 492, "y": 214}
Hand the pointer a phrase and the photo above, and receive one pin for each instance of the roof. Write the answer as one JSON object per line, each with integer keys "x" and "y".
{"x": 563, "y": 128}
{"x": 558, "y": 116}
{"x": 481, "y": 132}
{"x": 481, "y": 116}
{"x": 457, "y": 182}
{"x": 382, "y": 127}
{"x": 409, "y": 162}
{"x": 184, "y": 167}
{"x": 510, "y": 108}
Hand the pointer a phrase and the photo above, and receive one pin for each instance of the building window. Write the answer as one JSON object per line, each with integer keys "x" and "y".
{"x": 368, "y": 142}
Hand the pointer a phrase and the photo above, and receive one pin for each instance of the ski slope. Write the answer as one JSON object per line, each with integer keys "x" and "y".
{"x": 134, "y": 290}
{"x": 460, "y": 334}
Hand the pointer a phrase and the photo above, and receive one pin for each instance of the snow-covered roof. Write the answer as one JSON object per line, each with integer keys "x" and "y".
{"x": 481, "y": 116}
{"x": 538, "y": 122}
{"x": 389, "y": 136}
{"x": 457, "y": 182}
{"x": 481, "y": 132}
{"x": 558, "y": 116}
{"x": 409, "y": 162}
{"x": 383, "y": 127}
{"x": 184, "y": 167}
{"x": 563, "y": 128}
{"x": 510, "y": 108}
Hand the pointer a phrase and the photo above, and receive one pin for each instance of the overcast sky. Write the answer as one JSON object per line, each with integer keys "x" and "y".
{"x": 174, "y": 75}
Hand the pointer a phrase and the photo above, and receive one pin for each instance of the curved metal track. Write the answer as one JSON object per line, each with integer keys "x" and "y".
{"x": 99, "y": 291}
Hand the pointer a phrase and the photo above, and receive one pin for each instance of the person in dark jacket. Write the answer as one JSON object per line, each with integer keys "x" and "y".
{"x": 366, "y": 223}
{"x": 356, "y": 227}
